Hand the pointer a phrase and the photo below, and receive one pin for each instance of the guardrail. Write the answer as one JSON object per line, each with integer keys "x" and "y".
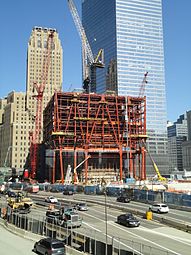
{"x": 81, "y": 239}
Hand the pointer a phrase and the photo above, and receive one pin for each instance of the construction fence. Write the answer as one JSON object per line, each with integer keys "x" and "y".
{"x": 82, "y": 239}
{"x": 150, "y": 196}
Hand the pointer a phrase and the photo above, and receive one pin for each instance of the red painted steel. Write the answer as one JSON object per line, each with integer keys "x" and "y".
{"x": 92, "y": 123}
{"x": 35, "y": 135}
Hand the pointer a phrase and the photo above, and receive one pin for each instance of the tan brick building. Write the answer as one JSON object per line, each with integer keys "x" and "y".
{"x": 18, "y": 109}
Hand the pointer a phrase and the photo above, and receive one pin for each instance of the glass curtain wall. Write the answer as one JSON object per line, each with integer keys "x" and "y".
{"x": 131, "y": 34}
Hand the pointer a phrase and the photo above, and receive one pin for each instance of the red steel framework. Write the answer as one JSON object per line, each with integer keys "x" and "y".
{"x": 35, "y": 135}
{"x": 136, "y": 117}
{"x": 92, "y": 123}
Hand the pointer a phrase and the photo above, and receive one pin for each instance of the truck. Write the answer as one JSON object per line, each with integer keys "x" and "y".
{"x": 66, "y": 217}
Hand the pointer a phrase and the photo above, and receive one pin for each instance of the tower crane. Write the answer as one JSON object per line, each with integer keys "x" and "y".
{"x": 143, "y": 84}
{"x": 35, "y": 136}
{"x": 89, "y": 63}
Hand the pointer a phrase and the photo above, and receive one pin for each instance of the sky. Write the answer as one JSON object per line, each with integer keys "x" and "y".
{"x": 18, "y": 17}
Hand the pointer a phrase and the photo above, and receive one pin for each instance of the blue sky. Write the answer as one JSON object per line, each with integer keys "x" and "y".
{"x": 18, "y": 17}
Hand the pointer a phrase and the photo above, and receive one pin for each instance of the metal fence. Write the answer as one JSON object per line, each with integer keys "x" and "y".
{"x": 83, "y": 239}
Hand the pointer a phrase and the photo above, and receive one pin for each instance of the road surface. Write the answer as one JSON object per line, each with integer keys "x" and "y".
{"x": 11, "y": 244}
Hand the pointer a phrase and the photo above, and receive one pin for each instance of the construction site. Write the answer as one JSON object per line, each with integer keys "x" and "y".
{"x": 106, "y": 133}
{"x": 91, "y": 136}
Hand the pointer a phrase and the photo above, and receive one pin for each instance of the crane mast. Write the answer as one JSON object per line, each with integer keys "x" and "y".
{"x": 89, "y": 63}
{"x": 35, "y": 136}
{"x": 81, "y": 31}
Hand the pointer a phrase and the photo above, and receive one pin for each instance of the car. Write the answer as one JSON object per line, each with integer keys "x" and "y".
{"x": 47, "y": 246}
{"x": 68, "y": 192}
{"x": 159, "y": 208}
{"x": 81, "y": 207}
{"x": 51, "y": 199}
{"x": 123, "y": 199}
{"x": 128, "y": 220}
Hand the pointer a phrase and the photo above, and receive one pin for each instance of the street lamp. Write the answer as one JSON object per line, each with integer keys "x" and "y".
{"x": 103, "y": 184}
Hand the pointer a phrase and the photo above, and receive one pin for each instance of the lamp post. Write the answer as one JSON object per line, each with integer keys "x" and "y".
{"x": 103, "y": 184}
{"x": 105, "y": 221}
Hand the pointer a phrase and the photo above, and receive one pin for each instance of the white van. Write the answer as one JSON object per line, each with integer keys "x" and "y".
{"x": 159, "y": 208}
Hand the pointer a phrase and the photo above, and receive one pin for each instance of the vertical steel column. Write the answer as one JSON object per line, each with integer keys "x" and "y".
{"x": 121, "y": 163}
{"x": 134, "y": 167}
{"x": 75, "y": 143}
{"x": 145, "y": 131}
{"x": 143, "y": 168}
{"x": 86, "y": 167}
{"x": 75, "y": 164}
{"x": 139, "y": 164}
{"x": 53, "y": 167}
{"x": 131, "y": 163}
{"x": 61, "y": 165}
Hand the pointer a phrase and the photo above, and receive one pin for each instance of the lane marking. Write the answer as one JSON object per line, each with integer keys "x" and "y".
{"x": 91, "y": 226}
{"x": 164, "y": 248}
{"x": 181, "y": 240}
{"x": 140, "y": 237}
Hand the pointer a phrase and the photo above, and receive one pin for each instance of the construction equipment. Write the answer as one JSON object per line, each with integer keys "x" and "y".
{"x": 90, "y": 64}
{"x": 68, "y": 178}
{"x": 160, "y": 177}
{"x": 20, "y": 204}
{"x": 141, "y": 94}
{"x": 75, "y": 169}
{"x": 143, "y": 84}
{"x": 35, "y": 136}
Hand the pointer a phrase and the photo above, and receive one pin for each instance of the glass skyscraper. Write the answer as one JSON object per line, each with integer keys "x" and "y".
{"x": 131, "y": 34}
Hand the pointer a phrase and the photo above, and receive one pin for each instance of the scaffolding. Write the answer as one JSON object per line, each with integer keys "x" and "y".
{"x": 93, "y": 123}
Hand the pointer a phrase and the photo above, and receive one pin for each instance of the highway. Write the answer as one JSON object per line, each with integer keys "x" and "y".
{"x": 150, "y": 233}
{"x": 13, "y": 244}
{"x": 173, "y": 213}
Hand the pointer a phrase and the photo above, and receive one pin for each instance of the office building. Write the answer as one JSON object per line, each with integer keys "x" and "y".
{"x": 177, "y": 134}
{"x": 186, "y": 146}
{"x": 36, "y": 59}
{"x": 131, "y": 34}
{"x": 15, "y": 127}
{"x": 18, "y": 110}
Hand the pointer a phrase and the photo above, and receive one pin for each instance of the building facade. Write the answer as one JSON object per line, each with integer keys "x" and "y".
{"x": 186, "y": 146}
{"x": 14, "y": 132}
{"x": 131, "y": 34}
{"x": 177, "y": 134}
{"x": 18, "y": 110}
{"x": 36, "y": 57}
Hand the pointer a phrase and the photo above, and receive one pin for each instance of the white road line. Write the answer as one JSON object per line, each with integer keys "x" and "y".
{"x": 91, "y": 226}
{"x": 89, "y": 215}
{"x": 113, "y": 224}
{"x": 179, "y": 239}
{"x": 125, "y": 245}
